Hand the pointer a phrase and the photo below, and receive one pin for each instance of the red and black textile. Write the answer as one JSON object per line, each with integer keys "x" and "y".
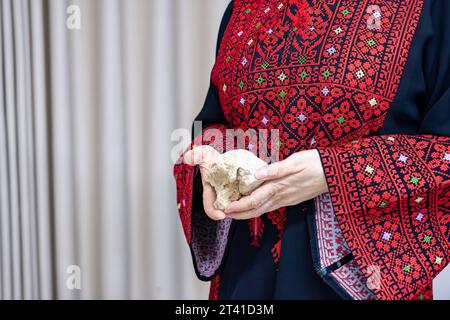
{"x": 326, "y": 74}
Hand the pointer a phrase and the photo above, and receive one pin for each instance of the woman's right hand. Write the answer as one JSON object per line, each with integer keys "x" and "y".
{"x": 203, "y": 156}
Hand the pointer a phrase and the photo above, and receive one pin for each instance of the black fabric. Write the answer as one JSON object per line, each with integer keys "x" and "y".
{"x": 296, "y": 277}
{"x": 422, "y": 106}
{"x": 211, "y": 112}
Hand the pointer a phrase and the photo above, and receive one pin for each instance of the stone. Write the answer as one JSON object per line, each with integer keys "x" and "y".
{"x": 232, "y": 175}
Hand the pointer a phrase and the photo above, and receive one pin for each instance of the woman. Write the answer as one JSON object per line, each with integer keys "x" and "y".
{"x": 358, "y": 205}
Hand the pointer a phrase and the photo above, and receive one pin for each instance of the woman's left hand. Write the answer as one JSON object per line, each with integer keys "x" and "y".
{"x": 289, "y": 182}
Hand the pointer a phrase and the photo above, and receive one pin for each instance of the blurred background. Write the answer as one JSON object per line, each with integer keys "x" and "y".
{"x": 88, "y": 106}
{"x": 90, "y": 92}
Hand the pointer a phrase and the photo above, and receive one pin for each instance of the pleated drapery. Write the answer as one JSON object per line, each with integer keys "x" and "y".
{"x": 86, "y": 118}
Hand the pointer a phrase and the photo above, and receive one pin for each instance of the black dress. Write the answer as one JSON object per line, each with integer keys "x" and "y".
{"x": 421, "y": 105}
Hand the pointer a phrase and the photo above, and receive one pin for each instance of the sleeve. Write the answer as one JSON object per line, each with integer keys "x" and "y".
{"x": 391, "y": 193}
{"x": 207, "y": 239}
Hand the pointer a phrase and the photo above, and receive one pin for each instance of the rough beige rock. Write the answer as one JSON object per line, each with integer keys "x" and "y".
{"x": 232, "y": 176}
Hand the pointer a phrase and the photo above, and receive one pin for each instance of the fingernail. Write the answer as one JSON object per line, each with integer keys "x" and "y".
{"x": 261, "y": 174}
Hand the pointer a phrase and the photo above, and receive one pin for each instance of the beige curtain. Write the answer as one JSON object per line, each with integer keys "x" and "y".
{"x": 86, "y": 117}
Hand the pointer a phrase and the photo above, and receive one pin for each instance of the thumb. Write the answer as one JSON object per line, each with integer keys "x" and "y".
{"x": 200, "y": 155}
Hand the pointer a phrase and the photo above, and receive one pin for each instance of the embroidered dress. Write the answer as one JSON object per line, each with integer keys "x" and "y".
{"x": 367, "y": 83}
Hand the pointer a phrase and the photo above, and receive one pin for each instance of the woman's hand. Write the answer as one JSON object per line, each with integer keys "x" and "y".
{"x": 203, "y": 156}
{"x": 289, "y": 182}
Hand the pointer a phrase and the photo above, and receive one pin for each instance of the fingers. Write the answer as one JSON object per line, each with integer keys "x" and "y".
{"x": 280, "y": 169}
{"x": 200, "y": 155}
{"x": 253, "y": 201}
{"x": 246, "y": 215}
{"x": 209, "y": 197}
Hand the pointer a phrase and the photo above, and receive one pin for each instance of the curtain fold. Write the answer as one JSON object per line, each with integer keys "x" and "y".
{"x": 86, "y": 118}
{"x": 85, "y": 123}
{"x": 22, "y": 162}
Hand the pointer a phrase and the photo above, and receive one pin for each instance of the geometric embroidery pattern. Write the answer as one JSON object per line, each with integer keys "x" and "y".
{"x": 396, "y": 218}
{"x": 324, "y": 73}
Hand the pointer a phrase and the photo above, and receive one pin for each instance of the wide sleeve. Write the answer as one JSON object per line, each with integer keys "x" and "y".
{"x": 207, "y": 239}
{"x": 391, "y": 193}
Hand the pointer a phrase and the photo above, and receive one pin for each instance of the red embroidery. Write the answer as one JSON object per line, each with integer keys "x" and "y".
{"x": 312, "y": 69}
{"x": 278, "y": 219}
{"x": 214, "y": 289}
{"x": 276, "y": 252}
{"x": 316, "y": 72}
{"x": 391, "y": 198}
{"x": 256, "y": 230}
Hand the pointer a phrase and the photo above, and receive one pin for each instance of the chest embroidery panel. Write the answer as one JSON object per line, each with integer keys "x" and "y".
{"x": 322, "y": 72}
